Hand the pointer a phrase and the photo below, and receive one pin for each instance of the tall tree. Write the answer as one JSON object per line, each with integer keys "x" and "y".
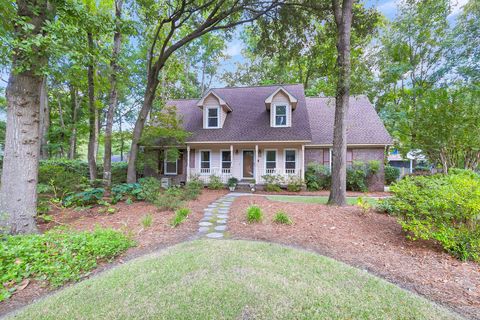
{"x": 18, "y": 193}
{"x": 343, "y": 21}
{"x": 114, "y": 69}
{"x": 181, "y": 22}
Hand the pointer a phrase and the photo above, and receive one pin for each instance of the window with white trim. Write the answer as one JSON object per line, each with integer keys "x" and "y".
{"x": 270, "y": 160}
{"x": 280, "y": 115}
{"x": 226, "y": 159}
{"x": 213, "y": 115}
{"x": 205, "y": 159}
{"x": 171, "y": 165}
{"x": 290, "y": 160}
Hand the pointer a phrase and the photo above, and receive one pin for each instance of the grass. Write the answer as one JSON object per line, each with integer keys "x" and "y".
{"x": 318, "y": 199}
{"x": 282, "y": 217}
{"x": 254, "y": 214}
{"x": 228, "y": 279}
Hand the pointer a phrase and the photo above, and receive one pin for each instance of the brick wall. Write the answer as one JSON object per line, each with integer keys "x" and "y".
{"x": 377, "y": 181}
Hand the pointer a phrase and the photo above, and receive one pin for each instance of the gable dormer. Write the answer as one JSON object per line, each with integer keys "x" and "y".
{"x": 281, "y": 104}
{"x": 214, "y": 110}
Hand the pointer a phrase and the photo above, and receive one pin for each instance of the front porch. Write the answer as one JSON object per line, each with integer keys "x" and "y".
{"x": 246, "y": 162}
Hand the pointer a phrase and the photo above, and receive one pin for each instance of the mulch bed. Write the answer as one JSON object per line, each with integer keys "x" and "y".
{"x": 127, "y": 218}
{"x": 326, "y": 193}
{"x": 374, "y": 242}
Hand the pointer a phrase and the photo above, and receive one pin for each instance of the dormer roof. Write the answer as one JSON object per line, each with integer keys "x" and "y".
{"x": 291, "y": 98}
{"x": 222, "y": 102}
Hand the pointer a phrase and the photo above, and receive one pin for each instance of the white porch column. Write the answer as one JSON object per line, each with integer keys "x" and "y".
{"x": 256, "y": 163}
{"x": 302, "y": 164}
{"x": 188, "y": 163}
{"x": 231, "y": 159}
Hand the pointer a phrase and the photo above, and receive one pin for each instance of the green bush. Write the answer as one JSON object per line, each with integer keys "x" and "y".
{"x": 193, "y": 189}
{"x": 57, "y": 256}
{"x": 254, "y": 214}
{"x": 391, "y": 174}
{"x": 171, "y": 199}
{"x": 282, "y": 217}
{"x": 119, "y": 172}
{"x": 444, "y": 208}
{"x": 294, "y": 184}
{"x": 215, "y": 183}
{"x": 61, "y": 179}
{"x": 75, "y": 166}
{"x": 180, "y": 216}
{"x": 130, "y": 190}
{"x": 85, "y": 198}
{"x": 317, "y": 177}
{"x": 150, "y": 188}
{"x": 357, "y": 177}
{"x": 273, "y": 182}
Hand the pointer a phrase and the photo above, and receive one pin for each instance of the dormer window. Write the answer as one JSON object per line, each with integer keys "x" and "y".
{"x": 212, "y": 117}
{"x": 280, "y": 115}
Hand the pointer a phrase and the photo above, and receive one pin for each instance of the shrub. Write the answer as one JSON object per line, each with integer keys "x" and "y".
{"x": 147, "y": 220}
{"x": 232, "y": 182}
{"x": 391, "y": 174}
{"x": 87, "y": 197}
{"x": 317, "y": 177}
{"x": 215, "y": 183}
{"x": 294, "y": 184}
{"x": 150, "y": 188}
{"x": 61, "y": 180}
{"x": 119, "y": 172}
{"x": 444, "y": 208}
{"x": 273, "y": 182}
{"x": 57, "y": 256}
{"x": 357, "y": 177}
{"x": 364, "y": 205}
{"x": 180, "y": 216}
{"x": 193, "y": 189}
{"x": 254, "y": 214}
{"x": 171, "y": 199}
{"x": 120, "y": 191}
{"x": 282, "y": 217}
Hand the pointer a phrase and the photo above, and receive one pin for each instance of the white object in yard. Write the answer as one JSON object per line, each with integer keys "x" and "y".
{"x": 165, "y": 182}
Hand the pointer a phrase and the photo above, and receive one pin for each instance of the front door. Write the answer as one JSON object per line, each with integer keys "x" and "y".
{"x": 247, "y": 164}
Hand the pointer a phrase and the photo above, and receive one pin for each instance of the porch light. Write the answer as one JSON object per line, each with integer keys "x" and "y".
{"x": 236, "y": 151}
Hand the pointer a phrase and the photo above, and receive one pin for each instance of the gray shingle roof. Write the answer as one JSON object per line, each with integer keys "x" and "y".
{"x": 249, "y": 120}
{"x": 363, "y": 123}
{"x": 312, "y": 120}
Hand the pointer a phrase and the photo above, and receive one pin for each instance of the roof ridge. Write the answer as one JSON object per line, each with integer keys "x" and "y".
{"x": 259, "y": 86}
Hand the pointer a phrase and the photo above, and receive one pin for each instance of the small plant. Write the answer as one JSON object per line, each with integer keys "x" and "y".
{"x": 364, "y": 205}
{"x": 294, "y": 184}
{"x": 45, "y": 217}
{"x": 254, "y": 214}
{"x": 215, "y": 183}
{"x": 120, "y": 191}
{"x": 232, "y": 183}
{"x": 147, "y": 220}
{"x": 180, "y": 216}
{"x": 273, "y": 182}
{"x": 193, "y": 189}
{"x": 87, "y": 197}
{"x": 150, "y": 189}
{"x": 281, "y": 217}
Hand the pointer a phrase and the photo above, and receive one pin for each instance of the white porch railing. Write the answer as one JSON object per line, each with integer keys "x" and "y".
{"x": 204, "y": 174}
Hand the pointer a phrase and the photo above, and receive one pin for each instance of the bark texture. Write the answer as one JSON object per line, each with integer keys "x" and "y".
{"x": 113, "y": 100}
{"x": 93, "y": 115}
{"x": 343, "y": 20}
{"x": 75, "y": 106}
{"x": 18, "y": 193}
{"x": 44, "y": 120}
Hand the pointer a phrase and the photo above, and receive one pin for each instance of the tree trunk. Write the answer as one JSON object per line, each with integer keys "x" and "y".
{"x": 18, "y": 193}
{"x": 62, "y": 125}
{"x": 75, "y": 108}
{"x": 121, "y": 137}
{"x": 117, "y": 41}
{"x": 93, "y": 115}
{"x": 44, "y": 120}
{"x": 343, "y": 21}
{"x": 139, "y": 125}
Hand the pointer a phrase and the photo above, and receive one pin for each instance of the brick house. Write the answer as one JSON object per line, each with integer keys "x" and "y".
{"x": 250, "y": 132}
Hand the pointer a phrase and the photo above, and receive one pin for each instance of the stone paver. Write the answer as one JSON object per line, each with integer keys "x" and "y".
{"x": 213, "y": 224}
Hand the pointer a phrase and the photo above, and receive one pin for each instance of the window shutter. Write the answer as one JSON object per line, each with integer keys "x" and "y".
{"x": 326, "y": 156}
{"x": 180, "y": 163}
{"x": 161, "y": 169}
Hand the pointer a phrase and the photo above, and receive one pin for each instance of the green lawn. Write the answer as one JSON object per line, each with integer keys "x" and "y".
{"x": 318, "y": 199}
{"x": 227, "y": 279}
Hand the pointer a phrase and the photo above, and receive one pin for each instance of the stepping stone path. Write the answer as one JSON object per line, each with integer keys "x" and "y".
{"x": 214, "y": 222}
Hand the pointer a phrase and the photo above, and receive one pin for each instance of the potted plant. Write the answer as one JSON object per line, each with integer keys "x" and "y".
{"x": 232, "y": 183}
{"x": 252, "y": 185}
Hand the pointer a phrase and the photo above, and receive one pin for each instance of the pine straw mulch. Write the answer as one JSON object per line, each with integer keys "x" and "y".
{"x": 127, "y": 218}
{"x": 374, "y": 242}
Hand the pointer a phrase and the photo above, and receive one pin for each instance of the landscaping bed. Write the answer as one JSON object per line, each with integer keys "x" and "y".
{"x": 374, "y": 242}
{"x": 126, "y": 218}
